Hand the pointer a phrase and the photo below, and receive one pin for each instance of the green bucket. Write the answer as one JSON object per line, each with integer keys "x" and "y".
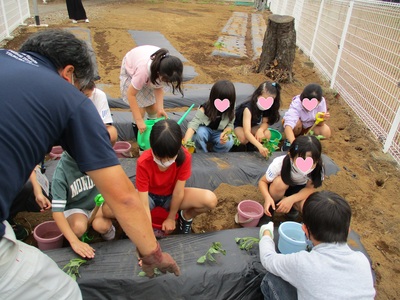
{"x": 143, "y": 139}
{"x": 276, "y": 136}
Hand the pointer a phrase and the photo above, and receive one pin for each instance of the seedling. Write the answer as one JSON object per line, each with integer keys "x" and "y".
{"x": 270, "y": 145}
{"x": 156, "y": 273}
{"x": 319, "y": 137}
{"x": 72, "y": 268}
{"x": 190, "y": 145}
{"x": 219, "y": 45}
{"x": 246, "y": 243}
{"x": 231, "y": 134}
{"x": 215, "y": 248}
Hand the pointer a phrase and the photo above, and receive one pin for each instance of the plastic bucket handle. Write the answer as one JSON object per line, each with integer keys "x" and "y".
{"x": 243, "y": 222}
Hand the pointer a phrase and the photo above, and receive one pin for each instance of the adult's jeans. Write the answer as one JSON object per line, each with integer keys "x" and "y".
{"x": 275, "y": 288}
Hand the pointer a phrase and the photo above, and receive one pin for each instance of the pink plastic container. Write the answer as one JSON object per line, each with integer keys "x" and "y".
{"x": 48, "y": 236}
{"x": 56, "y": 152}
{"x": 122, "y": 149}
{"x": 249, "y": 213}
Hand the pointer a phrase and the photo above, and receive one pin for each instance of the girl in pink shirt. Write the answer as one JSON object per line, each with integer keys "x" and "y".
{"x": 145, "y": 70}
{"x": 302, "y": 112}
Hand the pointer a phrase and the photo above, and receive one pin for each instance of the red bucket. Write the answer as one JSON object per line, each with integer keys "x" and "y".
{"x": 158, "y": 216}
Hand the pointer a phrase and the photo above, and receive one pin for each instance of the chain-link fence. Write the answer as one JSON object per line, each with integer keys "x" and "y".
{"x": 356, "y": 45}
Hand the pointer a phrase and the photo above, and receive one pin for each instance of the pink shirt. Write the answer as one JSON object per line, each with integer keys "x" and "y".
{"x": 137, "y": 64}
{"x": 297, "y": 111}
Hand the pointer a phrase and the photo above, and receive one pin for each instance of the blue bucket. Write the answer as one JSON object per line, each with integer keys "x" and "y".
{"x": 291, "y": 238}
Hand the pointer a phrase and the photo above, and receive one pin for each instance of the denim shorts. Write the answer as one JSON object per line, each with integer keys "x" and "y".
{"x": 158, "y": 200}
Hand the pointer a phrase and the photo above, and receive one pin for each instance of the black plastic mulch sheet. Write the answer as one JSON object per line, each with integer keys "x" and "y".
{"x": 209, "y": 170}
{"x": 114, "y": 272}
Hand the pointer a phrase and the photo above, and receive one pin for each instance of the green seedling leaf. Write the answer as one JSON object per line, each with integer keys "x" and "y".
{"x": 270, "y": 145}
{"x": 216, "y": 248}
{"x": 246, "y": 243}
{"x": 157, "y": 272}
{"x": 231, "y": 134}
{"x": 72, "y": 268}
{"x": 202, "y": 259}
{"x": 189, "y": 144}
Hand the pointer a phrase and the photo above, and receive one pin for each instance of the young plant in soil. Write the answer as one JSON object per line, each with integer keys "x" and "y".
{"x": 319, "y": 137}
{"x": 271, "y": 146}
{"x": 216, "y": 248}
{"x": 219, "y": 45}
{"x": 72, "y": 268}
{"x": 246, "y": 243}
{"x": 157, "y": 272}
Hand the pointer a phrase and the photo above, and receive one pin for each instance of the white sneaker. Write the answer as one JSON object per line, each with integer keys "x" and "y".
{"x": 74, "y": 21}
{"x": 87, "y": 21}
{"x": 110, "y": 234}
{"x": 270, "y": 227}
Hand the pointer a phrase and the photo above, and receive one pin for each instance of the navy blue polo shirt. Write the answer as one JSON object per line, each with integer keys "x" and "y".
{"x": 39, "y": 109}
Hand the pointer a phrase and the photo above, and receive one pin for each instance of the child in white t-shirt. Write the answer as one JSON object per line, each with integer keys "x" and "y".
{"x": 291, "y": 178}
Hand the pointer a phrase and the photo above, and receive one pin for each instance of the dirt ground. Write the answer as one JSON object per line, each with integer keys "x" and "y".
{"x": 368, "y": 179}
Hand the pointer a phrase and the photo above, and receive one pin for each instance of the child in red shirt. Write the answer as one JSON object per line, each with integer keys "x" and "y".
{"x": 161, "y": 175}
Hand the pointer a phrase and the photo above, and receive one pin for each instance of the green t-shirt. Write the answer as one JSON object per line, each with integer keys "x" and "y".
{"x": 70, "y": 187}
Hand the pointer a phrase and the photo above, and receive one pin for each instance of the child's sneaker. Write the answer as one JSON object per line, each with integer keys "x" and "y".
{"x": 110, "y": 234}
{"x": 286, "y": 145}
{"x": 21, "y": 233}
{"x": 292, "y": 215}
{"x": 74, "y": 22}
{"x": 184, "y": 226}
{"x": 87, "y": 21}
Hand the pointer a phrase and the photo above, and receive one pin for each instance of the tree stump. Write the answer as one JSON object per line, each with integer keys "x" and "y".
{"x": 279, "y": 48}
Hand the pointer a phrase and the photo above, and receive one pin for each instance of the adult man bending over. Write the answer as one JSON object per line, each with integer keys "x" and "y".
{"x": 41, "y": 106}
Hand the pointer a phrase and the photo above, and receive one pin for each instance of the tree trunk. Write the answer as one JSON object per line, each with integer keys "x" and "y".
{"x": 279, "y": 48}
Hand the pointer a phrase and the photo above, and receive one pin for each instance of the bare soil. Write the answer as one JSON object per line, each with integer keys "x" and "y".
{"x": 368, "y": 179}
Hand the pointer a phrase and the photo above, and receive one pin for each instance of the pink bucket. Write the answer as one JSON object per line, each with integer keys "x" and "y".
{"x": 122, "y": 149}
{"x": 249, "y": 213}
{"x": 56, "y": 152}
{"x": 48, "y": 236}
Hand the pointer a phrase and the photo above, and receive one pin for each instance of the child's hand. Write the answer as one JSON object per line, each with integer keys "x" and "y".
{"x": 168, "y": 225}
{"x": 263, "y": 151}
{"x": 141, "y": 125}
{"x": 269, "y": 203}
{"x": 327, "y": 115}
{"x": 82, "y": 249}
{"x": 223, "y": 138}
{"x": 161, "y": 113}
{"x": 284, "y": 206}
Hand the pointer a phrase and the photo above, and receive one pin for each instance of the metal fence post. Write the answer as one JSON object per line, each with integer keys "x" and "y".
{"x": 341, "y": 45}
{"x": 316, "y": 27}
{"x": 392, "y": 131}
{"x": 3, "y": 9}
